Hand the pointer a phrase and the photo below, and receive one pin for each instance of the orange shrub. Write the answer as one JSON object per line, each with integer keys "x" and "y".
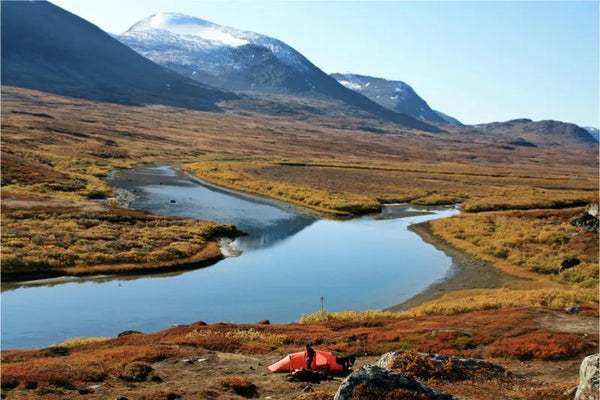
{"x": 450, "y": 343}
{"x": 590, "y": 310}
{"x": 540, "y": 345}
{"x": 214, "y": 343}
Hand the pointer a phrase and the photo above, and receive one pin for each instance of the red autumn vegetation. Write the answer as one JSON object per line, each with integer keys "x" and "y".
{"x": 135, "y": 360}
{"x": 540, "y": 345}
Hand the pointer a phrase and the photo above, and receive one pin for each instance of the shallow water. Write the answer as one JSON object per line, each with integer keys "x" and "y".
{"x": 289, "y": 262}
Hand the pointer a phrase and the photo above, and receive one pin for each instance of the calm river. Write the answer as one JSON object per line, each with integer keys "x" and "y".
{"x": 288, "y": 262}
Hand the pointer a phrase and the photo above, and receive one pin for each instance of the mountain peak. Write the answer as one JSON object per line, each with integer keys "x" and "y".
{"x": 191, "y": 27}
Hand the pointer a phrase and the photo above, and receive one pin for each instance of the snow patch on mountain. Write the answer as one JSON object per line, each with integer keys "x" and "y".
{"x": 394, "y": 95}
{"x": 180, "y": 24}
{"x": 352, "y": 85}
{"x": 182, "y": 39}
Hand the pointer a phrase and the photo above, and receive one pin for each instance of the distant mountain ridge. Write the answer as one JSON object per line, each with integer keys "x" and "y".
{"x": 394, "y": 95}
{"x": 232, "y": 59}
{"x": 47, "y": 48}
{"x": 542, "y": 132}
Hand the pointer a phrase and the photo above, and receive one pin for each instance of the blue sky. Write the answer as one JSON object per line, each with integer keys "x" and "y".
{"x": 478, "y": 61}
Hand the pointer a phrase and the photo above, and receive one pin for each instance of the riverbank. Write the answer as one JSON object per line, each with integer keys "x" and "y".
{"x": 87, "y": 238}
{"x": 467, "y": 271}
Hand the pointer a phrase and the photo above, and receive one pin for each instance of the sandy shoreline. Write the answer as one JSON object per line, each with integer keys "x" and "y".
{"x": 467, "y": 271}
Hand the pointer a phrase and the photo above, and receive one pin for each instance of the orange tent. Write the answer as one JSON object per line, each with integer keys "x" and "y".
{"x": 323, "y": 361}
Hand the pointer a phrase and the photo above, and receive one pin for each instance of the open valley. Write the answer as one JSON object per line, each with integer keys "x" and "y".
{"x": 187, "y": 208}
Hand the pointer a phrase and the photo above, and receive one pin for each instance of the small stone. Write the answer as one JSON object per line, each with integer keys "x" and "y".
{"x": 572, "y": 310}
{"x": 308, "y": 389}
{"x": 263, "y": 374}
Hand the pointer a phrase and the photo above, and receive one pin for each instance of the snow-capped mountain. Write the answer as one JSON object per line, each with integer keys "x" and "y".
{"x": 233, "y": 59}
{"x": 593, "y": 131}
{"x": 215, "y": 54}
{"x": 394, "y": 95}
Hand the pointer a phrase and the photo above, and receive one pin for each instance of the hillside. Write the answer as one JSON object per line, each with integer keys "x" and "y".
{"x": 524, "y": 132}
{"x": 47, "y": 48}
{"x": 394, "y": 95}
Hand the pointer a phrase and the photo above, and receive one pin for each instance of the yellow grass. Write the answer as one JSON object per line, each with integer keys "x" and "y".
{"x": 325, "y": 316}
{"x": 529, "y": 245}
{"x": 485, "y": 299}
{"x": 335, "y": 187}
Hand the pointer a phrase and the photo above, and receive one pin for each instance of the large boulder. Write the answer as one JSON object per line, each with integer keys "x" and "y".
{"x": 371, "y": 381}
{"x": 438, "y": 365}
{"x": 588, "y": 379}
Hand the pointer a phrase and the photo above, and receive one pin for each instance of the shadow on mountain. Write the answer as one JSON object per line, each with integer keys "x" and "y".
{"x": 47, "y": 48}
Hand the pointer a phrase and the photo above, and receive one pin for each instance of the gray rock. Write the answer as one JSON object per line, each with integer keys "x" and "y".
{"x": 572, "y": 310}
{"x": 588, "y": 379}
{"x": 385, "y": 360}
{"x": 482, "y": 367}
{"x": 588, "y": 222}
{"x": 372, "y": 376}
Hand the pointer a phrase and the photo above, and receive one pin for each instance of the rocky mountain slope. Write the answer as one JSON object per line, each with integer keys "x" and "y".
{"x": 593, "y": 131}
{"x": 232, "y": 59}
{"x": 47, "y": 48}
{"x": 394, "y": 95}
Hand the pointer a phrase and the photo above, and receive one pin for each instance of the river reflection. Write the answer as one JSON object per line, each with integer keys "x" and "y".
{"x": 289, "y": 262}
{"x": 163, "y": 190}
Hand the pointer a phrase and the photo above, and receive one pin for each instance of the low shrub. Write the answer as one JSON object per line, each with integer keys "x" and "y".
{"x": 450, "y": 343}
{"x": 540, "y": 345}
{"x": 135, "y": 372}
{"x": 324, "y": 316}
{"x": 241, "y": 386}
{"x": 422, "y": 367}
